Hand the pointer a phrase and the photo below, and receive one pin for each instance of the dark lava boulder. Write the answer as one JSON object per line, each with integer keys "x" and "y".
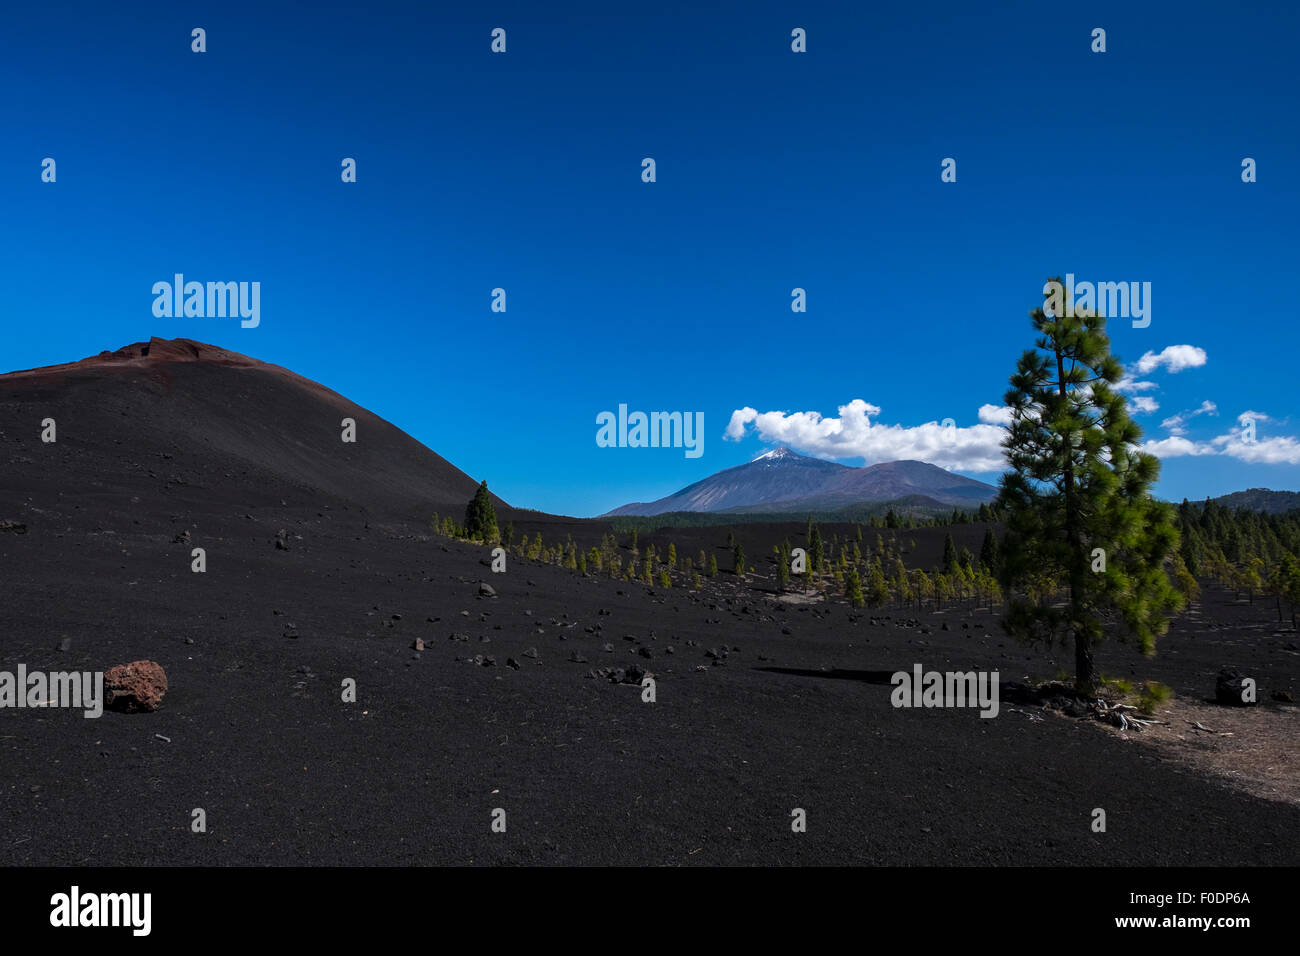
{"x": 1229, "y": 689}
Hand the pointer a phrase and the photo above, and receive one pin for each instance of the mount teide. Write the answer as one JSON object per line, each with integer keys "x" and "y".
{"x": 782, "y": 481}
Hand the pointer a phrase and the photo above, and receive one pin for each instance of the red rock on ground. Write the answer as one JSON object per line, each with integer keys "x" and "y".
{"x": 137, "y": 686}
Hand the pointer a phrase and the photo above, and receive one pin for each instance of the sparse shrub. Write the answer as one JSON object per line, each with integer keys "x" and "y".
{"x": 1154, "y": 694}
{"x": 1118, "y": 684}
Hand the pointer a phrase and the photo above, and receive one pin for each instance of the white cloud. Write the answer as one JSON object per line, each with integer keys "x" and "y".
{"x": 1176, "y": 447}
{"x": 995, "y": 415}
{"x": 1175, "y": 358}
{"x": 1143, "y": 405}
{"x": 1126, "y": 385}
{"x": 1282, "y": 450}
{"x": 1177, "y": 424}
{"x": 852, "y": 434}
{"x": 1242, "y": 444}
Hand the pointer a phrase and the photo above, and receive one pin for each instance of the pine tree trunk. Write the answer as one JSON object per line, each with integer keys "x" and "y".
{"x": 1083, "y": 666}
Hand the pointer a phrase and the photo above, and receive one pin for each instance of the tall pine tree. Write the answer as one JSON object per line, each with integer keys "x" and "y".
{"x": 1077, "y": 502}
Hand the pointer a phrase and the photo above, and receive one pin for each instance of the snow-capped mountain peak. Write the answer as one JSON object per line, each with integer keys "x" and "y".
{"x": 775, "y": 454}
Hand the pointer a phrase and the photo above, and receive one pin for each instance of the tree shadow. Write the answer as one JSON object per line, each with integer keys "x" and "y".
{"x": 835, "y": 673}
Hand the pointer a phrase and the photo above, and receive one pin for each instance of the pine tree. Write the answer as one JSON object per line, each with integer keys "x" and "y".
{"x": 924, "y": 587}
{"x": 738, "y": 557}
{"x": 1077, "y": 483}
{"x": 877, "y": 588}
{"x": 481, "y": 517}
{"x": 949, "y": 554}
{"x": 713, "y": 565}
{"x": 989, "y": 552}
{"x": 853, "y": 587}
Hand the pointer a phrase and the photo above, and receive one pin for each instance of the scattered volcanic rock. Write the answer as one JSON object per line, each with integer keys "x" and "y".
{"x": 486, "y": 590}
{"x": 282, "y": 540}
{"x": 13, "y": 527}
{"x": 417, "y": 644}
{"x": 138, "y": 686}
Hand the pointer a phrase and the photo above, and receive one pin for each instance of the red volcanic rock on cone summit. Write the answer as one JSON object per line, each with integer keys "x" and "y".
{"x": 154, "y": 351}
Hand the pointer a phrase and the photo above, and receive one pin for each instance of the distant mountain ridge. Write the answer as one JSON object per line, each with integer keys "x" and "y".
{"x": 1261, "y": 499}
{"x": 780, "y": 481}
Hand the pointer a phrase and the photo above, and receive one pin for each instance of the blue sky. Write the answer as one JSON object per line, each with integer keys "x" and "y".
{"x": 775, "y": 170}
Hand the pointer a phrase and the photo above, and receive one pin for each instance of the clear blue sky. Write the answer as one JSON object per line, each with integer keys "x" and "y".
{"x": 775, "y": 170}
